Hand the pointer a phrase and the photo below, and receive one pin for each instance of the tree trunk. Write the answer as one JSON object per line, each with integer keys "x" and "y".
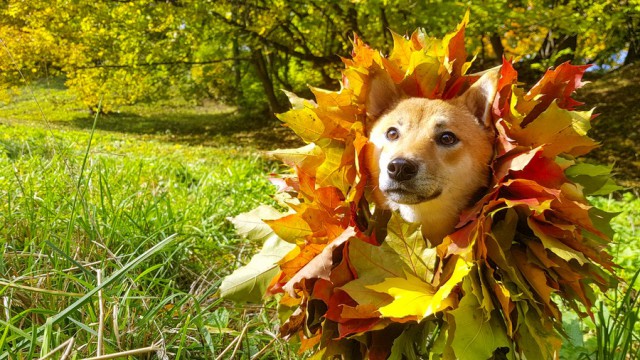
{"x": 633, "y": 36}
{"x": 263, "y": 74}
{"x": 237, "y": 71}
{"x": 553, "y": 44}
{"x": 633, "y": 54}
{"x": 568, "y": 42}
{"x": 496, "y": 44}
{"x": 556, "y": 42}
{"x": 384, "y": 25}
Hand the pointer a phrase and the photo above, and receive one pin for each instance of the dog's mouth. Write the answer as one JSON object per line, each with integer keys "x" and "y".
{"x": 401, "y": 195}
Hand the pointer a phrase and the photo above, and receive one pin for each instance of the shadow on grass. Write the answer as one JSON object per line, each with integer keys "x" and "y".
{"x": 207, "y": 129}
{"x": 615, "y": 97}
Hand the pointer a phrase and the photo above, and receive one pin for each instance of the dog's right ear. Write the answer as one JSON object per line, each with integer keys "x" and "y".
{"x": 383, "y": 94}
{"x": 479, "y": 97}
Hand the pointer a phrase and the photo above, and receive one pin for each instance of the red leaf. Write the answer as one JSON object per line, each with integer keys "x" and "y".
{"x": 356, "y": 326}
{"x": 320, "y": 266}
{"x": 508, "y": 78}
{"x": 335, "y": 304}
{"x": 558, "y": 84}
{"x": 542, "y": 170}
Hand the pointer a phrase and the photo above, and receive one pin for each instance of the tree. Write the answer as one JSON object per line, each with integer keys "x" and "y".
{"x": 242, "y": 52}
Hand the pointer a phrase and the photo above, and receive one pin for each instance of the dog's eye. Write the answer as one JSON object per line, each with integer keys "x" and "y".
{"x": 447, "y": 138}
{"x": 392, "y": 134}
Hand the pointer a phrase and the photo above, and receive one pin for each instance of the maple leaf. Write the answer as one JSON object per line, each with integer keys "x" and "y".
{"x": 308, "y": 157}
{"x": 347, "y": 271}
{"x": 556, "y": 84}
{"x": 413, "y": 297}
{"x": 320, "y": 266}
{"x": 474, "y": 335}
{"x": 249, "y": 283}
{"x": 407, "y": 242}
{"x": 413, "y": 343}
{"x": 560, "y": 130}
{"x": 536, "y": 337}
{"x": 371, "y": 263}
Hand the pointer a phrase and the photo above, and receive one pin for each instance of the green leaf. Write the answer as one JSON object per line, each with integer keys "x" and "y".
{"x": 249, "y": 283}
{"x": 536, "y": 338}
{"x": 426, "y": 337}
{"x": 404, "y": 345}
{"x": 602, "y": 220}
{"x": 407, "y": 241}
{"x": 595, "y": 179}
{"x": 250, "y": 225}
{"x": 372, "y": 264}
{"x": 476, "y": 338}
{"x": 556, "y": 246}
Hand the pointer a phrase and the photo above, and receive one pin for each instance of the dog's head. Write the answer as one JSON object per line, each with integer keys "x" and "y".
{"x": 424, "y": 150}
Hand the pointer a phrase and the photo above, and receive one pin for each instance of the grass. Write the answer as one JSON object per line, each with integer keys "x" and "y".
{"x": 63, "y": 221}
{"x": 117, "y": 241}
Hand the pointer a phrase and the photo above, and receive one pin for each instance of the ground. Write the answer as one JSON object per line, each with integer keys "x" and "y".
{"x": 615, "y": 97}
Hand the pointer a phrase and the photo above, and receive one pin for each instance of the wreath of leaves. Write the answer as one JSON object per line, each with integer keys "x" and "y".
{"x": 354, "y": 282}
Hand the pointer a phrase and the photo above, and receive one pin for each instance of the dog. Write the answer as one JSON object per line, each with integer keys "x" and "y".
{"x": 429, "y": 159}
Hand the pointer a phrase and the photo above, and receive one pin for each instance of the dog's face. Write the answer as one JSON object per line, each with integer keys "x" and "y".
{"x": 428, "y": 158}
{"x": 423, "y": 148}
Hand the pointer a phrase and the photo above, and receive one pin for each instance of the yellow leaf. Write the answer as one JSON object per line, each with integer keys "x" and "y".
{"x": 291, "y": 228}
{"x": 308, "y": 157}
{"x": 411, "y": 296}
{"x": 402, "y": 50}
{"x": 559, "y": 130}
{"x": 338, "y": 168}
{"x": 332, "y": 98}
{"x": 414, "y": 297}
{"x": 305, "y": 123}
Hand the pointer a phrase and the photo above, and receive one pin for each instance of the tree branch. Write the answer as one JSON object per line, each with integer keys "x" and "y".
{"x": 319, "y": 60}
{"x": 170, "y": 63}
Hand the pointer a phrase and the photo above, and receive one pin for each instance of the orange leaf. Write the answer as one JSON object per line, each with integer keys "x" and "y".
{"x": 291, "y": 228}
{"x": 556, "y": 84}
{"x": 320, "y": 266}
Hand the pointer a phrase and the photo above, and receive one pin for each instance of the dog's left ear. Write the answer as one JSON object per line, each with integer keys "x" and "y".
{"x": 383, "y": 93}
{"x": 479, "y": 97}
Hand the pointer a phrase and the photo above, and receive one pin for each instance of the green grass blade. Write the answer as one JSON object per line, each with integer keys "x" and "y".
{"x": 106, "y": 282}
{"x": 111, "y": 279}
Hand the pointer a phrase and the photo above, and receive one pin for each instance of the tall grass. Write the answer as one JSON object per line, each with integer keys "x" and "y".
{"x": 618, "y": 326}
{"x": 148, "y": 217}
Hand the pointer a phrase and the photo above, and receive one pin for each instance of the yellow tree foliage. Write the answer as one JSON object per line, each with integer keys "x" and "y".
{"x": 242, "y": 52}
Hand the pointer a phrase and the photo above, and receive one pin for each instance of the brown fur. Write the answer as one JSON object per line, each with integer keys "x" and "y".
{"x": 448, "y": 177}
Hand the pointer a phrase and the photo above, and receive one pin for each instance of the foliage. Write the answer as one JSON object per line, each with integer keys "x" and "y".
{"x": 242, "y": 52}
{"x": 626, "y": 226}
{"x": 352, "y": 289}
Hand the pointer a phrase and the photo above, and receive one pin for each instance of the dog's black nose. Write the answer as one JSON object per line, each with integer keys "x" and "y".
{"x": 402, "y": 169}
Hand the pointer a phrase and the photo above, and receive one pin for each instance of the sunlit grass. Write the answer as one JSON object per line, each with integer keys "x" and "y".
{"x": 59, "y": 227}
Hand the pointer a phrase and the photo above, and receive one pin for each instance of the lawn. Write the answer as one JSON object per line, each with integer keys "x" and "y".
{"x": 114, "y": 232}
{"x": 76, "y": 203}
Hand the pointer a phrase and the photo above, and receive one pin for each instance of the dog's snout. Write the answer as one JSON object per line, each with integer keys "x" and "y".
{"x": 400, "y": 169}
